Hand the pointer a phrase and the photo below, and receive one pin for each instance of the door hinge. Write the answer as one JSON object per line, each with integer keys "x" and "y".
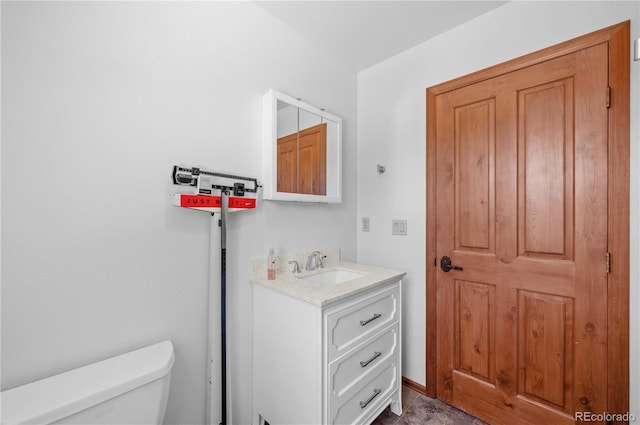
{"x": 608, "y": 97}
{"x": 608, "y": 262}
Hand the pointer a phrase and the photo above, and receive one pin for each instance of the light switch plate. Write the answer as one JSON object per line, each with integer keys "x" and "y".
{"x": 636, "y": 49}
{"x": 399, "y": 227}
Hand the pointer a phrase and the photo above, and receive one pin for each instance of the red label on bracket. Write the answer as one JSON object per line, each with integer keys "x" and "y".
{"x": 242, "y": 202}
{"x": 200, "y": 201}
{"x": 205, "y": 201}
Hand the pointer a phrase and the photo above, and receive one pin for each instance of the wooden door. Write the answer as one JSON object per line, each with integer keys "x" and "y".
{"x": 287, "y": 163}
{"x": 521, "y": 206}
{"x": 302, "y": 161}
{"x": 312, "y": 157}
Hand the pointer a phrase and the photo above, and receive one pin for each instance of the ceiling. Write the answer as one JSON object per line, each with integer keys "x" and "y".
{"x": 363, "y": 33}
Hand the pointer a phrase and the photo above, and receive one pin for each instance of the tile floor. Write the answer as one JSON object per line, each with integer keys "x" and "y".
{"x": 418, "y": 409}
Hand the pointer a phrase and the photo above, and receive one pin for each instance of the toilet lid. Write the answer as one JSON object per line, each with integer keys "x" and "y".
{"x": 59, "y": 396}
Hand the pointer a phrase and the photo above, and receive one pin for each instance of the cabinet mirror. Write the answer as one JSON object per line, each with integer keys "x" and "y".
{"x": 302, "y": 151}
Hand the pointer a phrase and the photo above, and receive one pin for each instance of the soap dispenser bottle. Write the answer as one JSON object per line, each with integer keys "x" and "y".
{"x": 271, "y": 265}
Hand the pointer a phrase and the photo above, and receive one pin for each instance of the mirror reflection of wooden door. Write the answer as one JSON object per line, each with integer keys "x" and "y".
{"x": 302, "y": 161}
{"x": 312, "y": 159}
{"x": 521, "y": 189}
{"x": 287, "y": 164}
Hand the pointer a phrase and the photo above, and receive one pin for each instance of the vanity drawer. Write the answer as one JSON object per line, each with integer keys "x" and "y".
{"x": 368, "y": 398}
{"x": 351, "y": 323}
{"x": 362, "y": 362}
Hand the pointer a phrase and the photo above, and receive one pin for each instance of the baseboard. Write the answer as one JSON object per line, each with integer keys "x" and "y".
{"x": 414, "y": 385}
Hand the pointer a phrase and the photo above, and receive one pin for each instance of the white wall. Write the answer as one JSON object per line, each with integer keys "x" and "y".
{"x": 99, "y": 101}
{"x": 391, "y": 131}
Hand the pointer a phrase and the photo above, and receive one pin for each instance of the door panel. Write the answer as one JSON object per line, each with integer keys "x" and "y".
{"x": 288, "y": 163}
{"x": 545, "y": 348}
{"x": 545, "y": 123}
{"x": 475, "y": 329}
{"x": 313, "y": 160}
{"x": 474, "y": 129}
{"x": 521, "y": 189}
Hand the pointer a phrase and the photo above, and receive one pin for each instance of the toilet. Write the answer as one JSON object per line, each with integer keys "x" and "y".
{"x": 131, "y": 388}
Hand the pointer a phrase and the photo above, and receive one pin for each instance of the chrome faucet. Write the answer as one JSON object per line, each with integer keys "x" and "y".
{"x": 315, "y": 261}
{"x": 296, "y": 268}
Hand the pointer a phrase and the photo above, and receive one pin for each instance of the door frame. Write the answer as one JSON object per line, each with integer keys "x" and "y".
{"x": 618, "y": 38}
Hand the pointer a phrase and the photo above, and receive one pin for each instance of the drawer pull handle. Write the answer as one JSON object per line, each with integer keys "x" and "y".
{"x": 364, "y": 404}
{"x": 375, "y": 316}
{"x": 376, "y": 354}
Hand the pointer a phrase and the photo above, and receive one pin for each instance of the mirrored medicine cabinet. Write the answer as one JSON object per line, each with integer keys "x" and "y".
{"x": 302, "y": 151}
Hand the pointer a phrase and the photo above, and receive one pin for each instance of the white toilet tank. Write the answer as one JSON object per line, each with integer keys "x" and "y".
{"x": 128, "y": 389}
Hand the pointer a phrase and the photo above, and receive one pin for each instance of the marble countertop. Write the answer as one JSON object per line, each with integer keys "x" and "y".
{"x": 323, "y": 294}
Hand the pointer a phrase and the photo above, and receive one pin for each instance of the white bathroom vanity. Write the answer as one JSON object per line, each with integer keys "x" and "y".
{"x": 330, "y": 352}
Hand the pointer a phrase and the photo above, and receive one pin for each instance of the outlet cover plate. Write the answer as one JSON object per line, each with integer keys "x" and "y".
{"x": 399, "y": 227}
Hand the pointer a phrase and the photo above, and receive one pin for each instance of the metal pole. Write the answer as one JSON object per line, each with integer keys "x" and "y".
{"x": 223, "y": 301}
{"x": 212, "y": 413}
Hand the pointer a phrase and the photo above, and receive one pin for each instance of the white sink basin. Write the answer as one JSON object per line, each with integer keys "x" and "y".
{"x": 334, "y": 277}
